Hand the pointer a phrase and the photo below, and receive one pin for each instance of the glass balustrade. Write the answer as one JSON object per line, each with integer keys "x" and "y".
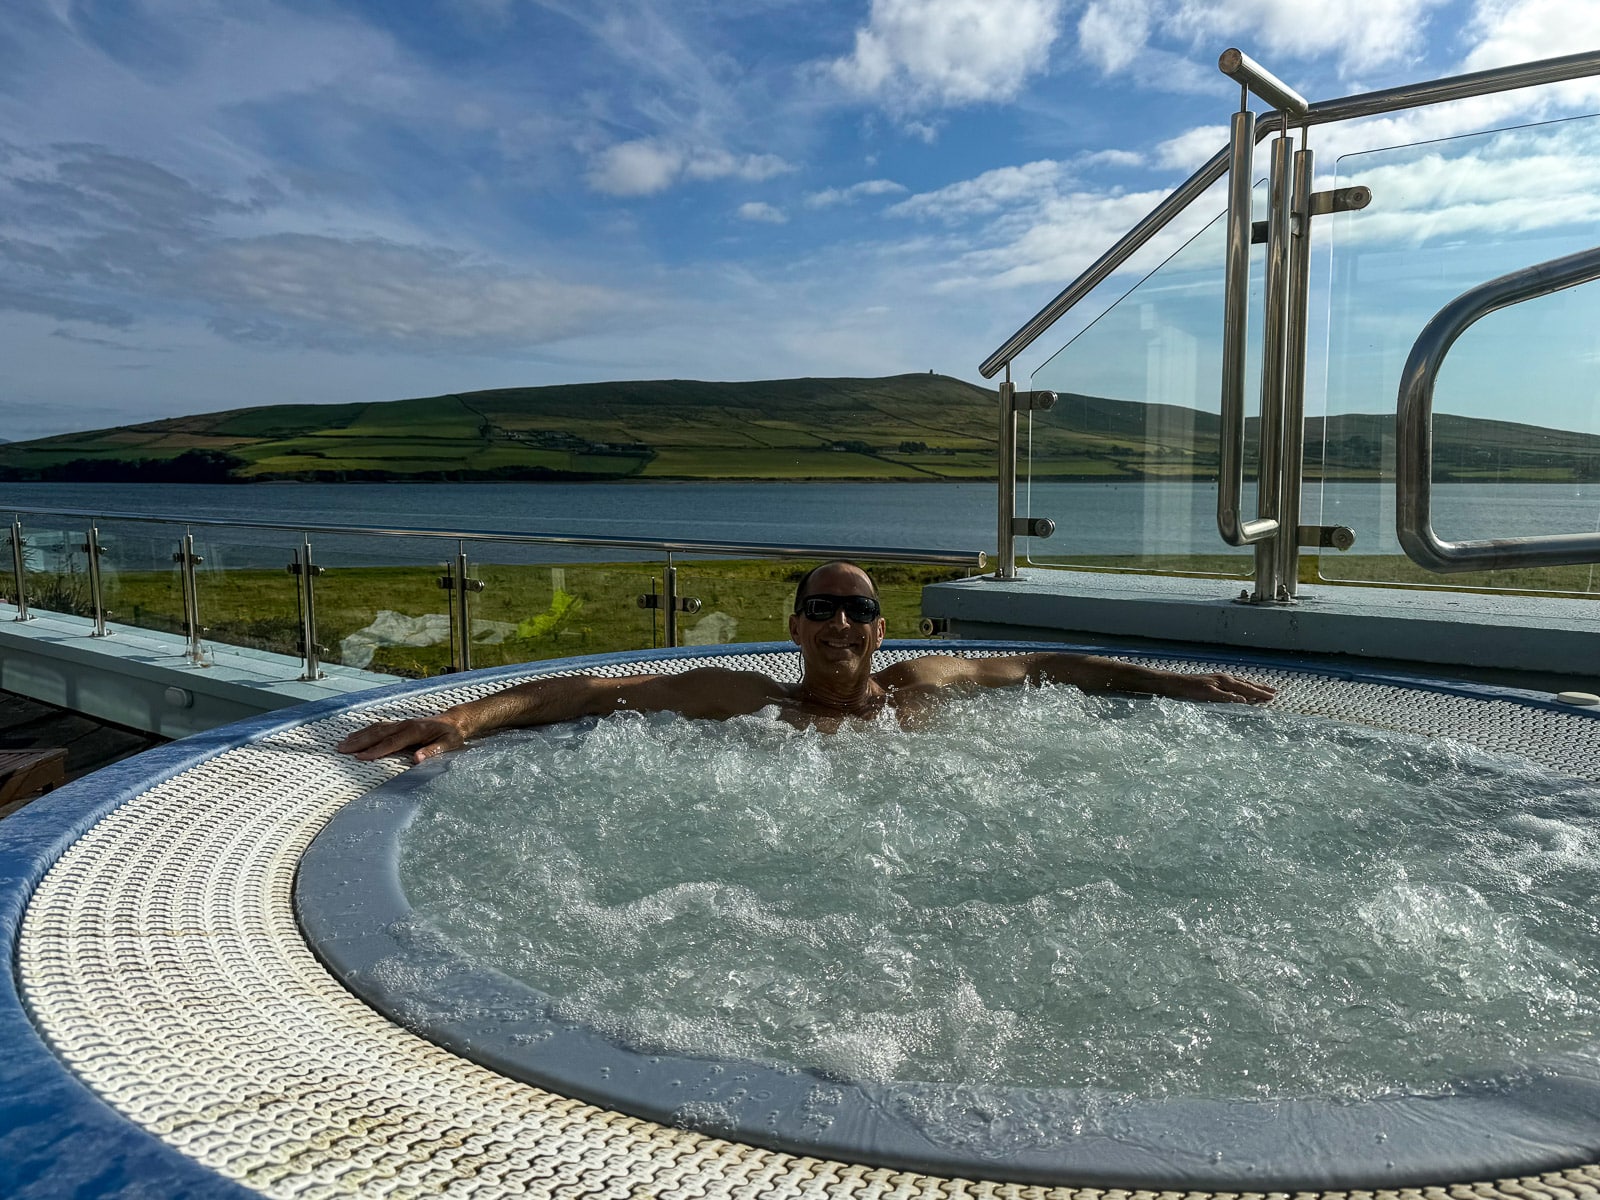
{"x": 1126, "y": 462}
{"x": 246, "y": 596}
{"x": 389, "y": 603}
{"x": 141, "y": 586}
{"x": 379, "y": 603}
{"x": 531, "y": 611}
{"x": 1516, "y": 424}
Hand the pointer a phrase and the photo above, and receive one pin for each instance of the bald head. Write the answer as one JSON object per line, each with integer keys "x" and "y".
{"x": 828, "y": 579}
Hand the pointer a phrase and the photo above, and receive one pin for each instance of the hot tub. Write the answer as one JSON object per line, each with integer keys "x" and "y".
{"x": 168, "y": 1012}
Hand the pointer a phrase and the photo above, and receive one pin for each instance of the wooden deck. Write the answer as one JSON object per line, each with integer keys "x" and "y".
{"x": 28, "y": 725}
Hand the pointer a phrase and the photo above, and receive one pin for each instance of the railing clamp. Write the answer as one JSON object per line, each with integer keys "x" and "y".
{"x": 1040, "y": 401}
{"x": 1347, "y": 199}
{"x": 669, "y": 602}
{"x": 449, "y": 583}
{"x": 1039, "y": 527}
{"x": 684, "y": 604}
{"x": 1325, "y": 537}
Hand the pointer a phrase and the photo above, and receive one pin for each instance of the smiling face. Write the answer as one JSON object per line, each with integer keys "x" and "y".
{"x": 838, "y": 641}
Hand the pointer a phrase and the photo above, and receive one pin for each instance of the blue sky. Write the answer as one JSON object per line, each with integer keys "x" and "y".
{"x": 210, "y": 205}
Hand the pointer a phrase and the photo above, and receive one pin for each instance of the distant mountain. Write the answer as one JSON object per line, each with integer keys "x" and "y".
{"x": 901, "y": 427}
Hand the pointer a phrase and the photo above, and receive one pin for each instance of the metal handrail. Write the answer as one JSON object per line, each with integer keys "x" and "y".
{"x": 956, "y": 558}
{"x": 1414, "y": 429}
{"x": 1367, "y": 104}
{"x": 1235, "y": 304}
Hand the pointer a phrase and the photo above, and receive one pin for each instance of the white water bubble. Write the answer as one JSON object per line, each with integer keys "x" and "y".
{"x": 1036, "y": 888}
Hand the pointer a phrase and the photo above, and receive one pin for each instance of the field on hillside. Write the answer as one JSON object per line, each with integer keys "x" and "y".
{"x": 904, "y": 427}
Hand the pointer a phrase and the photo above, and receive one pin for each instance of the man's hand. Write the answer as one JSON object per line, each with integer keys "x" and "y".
{"x": 1218, "y": 687}
{"x": 430, "y": 735}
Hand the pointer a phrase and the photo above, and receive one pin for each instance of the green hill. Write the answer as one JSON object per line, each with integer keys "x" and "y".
{"x": 901, "y": 427}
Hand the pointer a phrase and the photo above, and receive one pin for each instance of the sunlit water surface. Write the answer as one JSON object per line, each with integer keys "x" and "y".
{"x": 1038, "y": 888}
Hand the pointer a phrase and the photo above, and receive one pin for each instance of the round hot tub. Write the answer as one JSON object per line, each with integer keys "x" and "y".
{"x": 159, "y": 959}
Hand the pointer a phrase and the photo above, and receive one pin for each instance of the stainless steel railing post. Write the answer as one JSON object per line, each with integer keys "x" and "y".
{"x": 670, "y": 601}
{"x": 1005, "y": 547}
{"x": 187, "y": 560}
{"x": 19, "y": 570}
{"x": 456, "y": 582}
{"x": 97, "y": 595}
{"x": 1274, "y": 360}
{"x": 1287, "y": 544}
{"x": 305, "y": 572}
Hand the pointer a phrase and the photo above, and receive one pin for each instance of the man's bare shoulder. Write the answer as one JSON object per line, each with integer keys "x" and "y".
{"x": 714, "y": 692}
{"x": 935, "y": 670}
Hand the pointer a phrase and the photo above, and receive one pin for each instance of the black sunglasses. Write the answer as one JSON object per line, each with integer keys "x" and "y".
{"x": 821, "y": 607}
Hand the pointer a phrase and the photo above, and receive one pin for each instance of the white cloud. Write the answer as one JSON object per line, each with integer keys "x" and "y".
{"x": 757, "y": 210}
{"x": 1005, "y": 187}
{"x": 1363, "y": 34}
{"x": 649, "y": 165}
{"x": 1111, "y": 158}
{"x": 1516, "y": 31}
{"x": 635, "y": 168}
{"x": 719, "y": 164}
{"x": 1188, "y": 151}
{"x": 1113, "y": 32}
{"x": 917, "y": 54}
{"x": 289, "y": 287}
{"x": 867, "y": 187}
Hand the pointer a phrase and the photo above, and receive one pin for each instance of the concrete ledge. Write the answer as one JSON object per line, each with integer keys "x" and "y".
{"x": 143, "y": 680}
{"x": 1519, "y": 641}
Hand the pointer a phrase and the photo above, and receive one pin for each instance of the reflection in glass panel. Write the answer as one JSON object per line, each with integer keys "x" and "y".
{"x": 1126, "y": 462}
{"x": 532, "y": 611}
{"x": 1516, "y": 423}
{"x": 379, "y": 604}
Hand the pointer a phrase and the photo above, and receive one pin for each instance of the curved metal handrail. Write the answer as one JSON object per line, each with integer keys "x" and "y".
{"x": 1414, "y": 429}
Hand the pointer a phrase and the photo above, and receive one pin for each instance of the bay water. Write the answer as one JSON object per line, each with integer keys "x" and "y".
{"x": 1091, "y": 518}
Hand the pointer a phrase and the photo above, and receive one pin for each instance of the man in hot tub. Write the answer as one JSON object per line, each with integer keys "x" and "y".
{"x": 837, "y": 625}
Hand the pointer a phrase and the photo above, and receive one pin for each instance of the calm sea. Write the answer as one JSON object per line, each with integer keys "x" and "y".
{"x": 1091, "y": 518}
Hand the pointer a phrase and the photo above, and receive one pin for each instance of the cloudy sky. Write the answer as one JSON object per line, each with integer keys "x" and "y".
{"x": 206, "y": 204}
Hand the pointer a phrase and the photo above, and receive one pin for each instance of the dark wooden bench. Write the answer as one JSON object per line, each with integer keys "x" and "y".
{"x": 24, "y": 774}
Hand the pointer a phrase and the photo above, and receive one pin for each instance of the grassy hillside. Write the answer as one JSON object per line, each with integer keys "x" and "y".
{"x": 902, "y": 427}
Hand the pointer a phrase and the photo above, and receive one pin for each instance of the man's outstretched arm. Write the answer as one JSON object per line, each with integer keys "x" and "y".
{"x": 710, "y": 692}
{"x": 1090, "y": 672}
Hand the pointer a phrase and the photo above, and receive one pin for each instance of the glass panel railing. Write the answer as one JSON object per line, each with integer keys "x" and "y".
{"x": 1126, "y": 463}
{"x": 379, "y": 603}
{"x": 138, "y": 578}
{"x": 55, "y": 568}
{"x": 1516, "y": 428}
{"x": 539, "y": 610}
{"x": 246, "y": 595}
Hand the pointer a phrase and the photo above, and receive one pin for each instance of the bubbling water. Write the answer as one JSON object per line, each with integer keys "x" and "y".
{"x": 1036, "y": 888}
